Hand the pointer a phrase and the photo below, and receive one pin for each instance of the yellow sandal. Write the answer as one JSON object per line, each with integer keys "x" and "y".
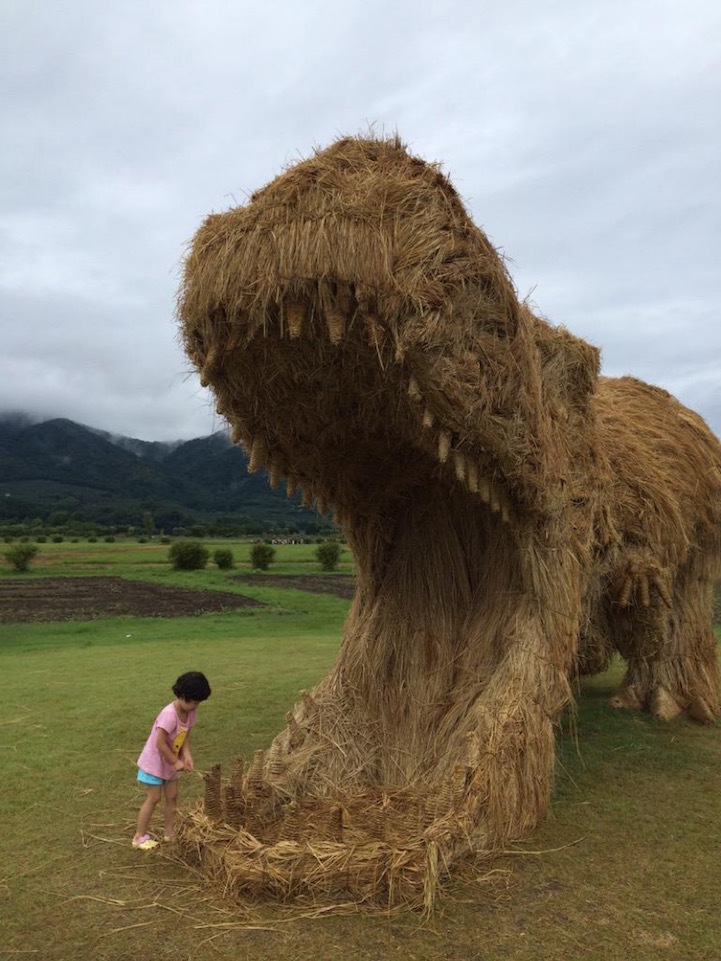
{"x": 146, "y": 843}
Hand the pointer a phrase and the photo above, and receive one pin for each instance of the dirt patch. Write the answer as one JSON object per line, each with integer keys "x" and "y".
{"x": 84, "y": 598}
{"x": 340, "y": 585}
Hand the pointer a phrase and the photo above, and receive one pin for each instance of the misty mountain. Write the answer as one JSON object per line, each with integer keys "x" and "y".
{"x": 59, "y": 466}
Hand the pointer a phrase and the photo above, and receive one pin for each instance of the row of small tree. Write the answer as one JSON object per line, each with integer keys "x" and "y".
{"x": 194, "y": 555}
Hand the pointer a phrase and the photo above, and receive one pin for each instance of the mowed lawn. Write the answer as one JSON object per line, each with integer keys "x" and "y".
{"x": 627, "y": 865}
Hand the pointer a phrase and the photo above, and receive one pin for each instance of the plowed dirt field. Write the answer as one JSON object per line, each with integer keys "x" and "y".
{"x": 84, "y": 598}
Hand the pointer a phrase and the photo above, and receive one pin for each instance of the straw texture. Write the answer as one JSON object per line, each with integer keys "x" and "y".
{"x": 515, "y": 519}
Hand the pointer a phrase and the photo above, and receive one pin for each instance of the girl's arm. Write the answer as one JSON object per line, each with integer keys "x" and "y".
{"x": 162, "y": 742}
{"x": 185, "y": 756}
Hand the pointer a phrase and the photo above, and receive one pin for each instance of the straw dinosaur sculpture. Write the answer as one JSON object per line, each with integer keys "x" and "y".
{"x": 515, "y": 519}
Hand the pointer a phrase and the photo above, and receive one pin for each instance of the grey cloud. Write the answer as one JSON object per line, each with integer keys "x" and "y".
{"x": 584, "y": 139}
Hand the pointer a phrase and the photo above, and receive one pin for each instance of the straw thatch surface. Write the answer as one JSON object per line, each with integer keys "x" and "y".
{"x": 515, "y": 519}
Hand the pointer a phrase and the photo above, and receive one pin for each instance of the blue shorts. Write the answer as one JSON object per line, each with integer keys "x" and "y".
{"x": 146, "y": 778}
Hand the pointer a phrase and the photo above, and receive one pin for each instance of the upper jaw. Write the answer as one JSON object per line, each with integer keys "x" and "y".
{"x": 330, "y": 401}
{"x": 352, "y": 308}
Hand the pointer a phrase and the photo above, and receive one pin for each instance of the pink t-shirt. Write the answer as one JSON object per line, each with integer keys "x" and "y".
{"x": 151, "y": 760}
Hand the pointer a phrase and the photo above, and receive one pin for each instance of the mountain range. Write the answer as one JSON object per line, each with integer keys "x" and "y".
{"x": 60, "y": 469}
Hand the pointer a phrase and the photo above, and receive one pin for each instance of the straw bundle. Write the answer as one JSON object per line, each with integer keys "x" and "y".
{"x": 514, "y": 517}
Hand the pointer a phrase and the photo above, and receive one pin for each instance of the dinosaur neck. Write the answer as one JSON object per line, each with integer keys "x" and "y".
{"x": 436, "y": 596}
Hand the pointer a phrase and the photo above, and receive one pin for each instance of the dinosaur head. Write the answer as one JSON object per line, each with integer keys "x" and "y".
{"x": 364, "y": 339}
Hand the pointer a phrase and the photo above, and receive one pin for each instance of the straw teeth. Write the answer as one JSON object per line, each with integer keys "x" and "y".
{"x": 662, "y": 590}
{"x": 291, "y": 486}
{"x": 237, "y": 435}
{"x": 444, "y": 446}
{"x": 294, "y": 317}
{"x": 427, "y": 418}
{"x": 624, "y": 597}
{"x": 376, "y": 334}
{"x": 459, "y": 462}
{"x": 335, "y": 322}
{"x": 273, "y": 475}
{"x": 258, "y": 454}
{"x": 414, "y": 391}
{"x": 472, "y": 476}
{"x": 254, "y": 777}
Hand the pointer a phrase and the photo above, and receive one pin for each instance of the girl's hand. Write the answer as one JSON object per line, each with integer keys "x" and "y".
{"x": 179, "y": 765}
{"x": 189, "y": 766}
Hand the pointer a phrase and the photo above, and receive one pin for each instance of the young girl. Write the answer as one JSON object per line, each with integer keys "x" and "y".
{"x": 167, "y": 753}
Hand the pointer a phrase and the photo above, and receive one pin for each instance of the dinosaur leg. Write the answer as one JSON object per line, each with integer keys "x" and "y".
{"x": 671, "y": 651}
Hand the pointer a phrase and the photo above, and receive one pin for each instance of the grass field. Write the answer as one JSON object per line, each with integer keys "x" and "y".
{"x": 628, "y": 864}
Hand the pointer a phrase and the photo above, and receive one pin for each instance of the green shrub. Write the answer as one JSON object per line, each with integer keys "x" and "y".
{"x": 57, "y": 538}
{"x": 261, "y": 556}
{"x": 92, "y": 540}
{"x": 328, "y": 555}
{"x": 110, "y": 539}
{"x": 19, "y": 557}
{"x": 188, "y": 555}
{"x": 41, "y": 539}
{"x": 223, "y": 558}
{"x": 165, "y": 539}
{"x": 142, "y": 540}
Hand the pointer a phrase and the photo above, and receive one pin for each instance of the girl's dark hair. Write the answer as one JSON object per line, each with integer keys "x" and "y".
{"x": 193, "y": 686}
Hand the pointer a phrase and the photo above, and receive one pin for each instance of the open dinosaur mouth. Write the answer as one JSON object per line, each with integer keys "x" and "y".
{"x": 354, "y": 325}
{"x": 365, "y": 342}
{"x": 324, "y": 404}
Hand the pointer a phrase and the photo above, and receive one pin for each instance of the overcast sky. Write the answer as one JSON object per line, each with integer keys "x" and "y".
{"x": 585, "y": 139}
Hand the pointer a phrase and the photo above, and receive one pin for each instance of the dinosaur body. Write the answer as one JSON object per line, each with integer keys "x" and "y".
{"x": 514, "y": 517}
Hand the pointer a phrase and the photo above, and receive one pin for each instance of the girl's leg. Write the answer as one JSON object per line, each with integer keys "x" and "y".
{"x": 146, "y": 811}
{"x": 171, "y": 804}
